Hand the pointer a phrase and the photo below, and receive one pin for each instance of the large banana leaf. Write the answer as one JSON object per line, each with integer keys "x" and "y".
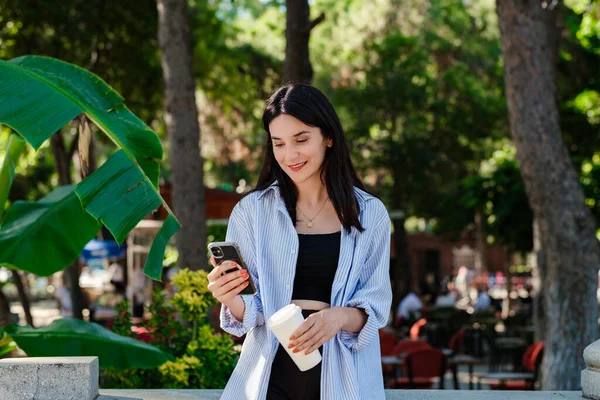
{"x": 39, "y": 95}
{"x": 46, "y": 236}
{"x": 7, "y": 169}
{"x": 72, "y": 337}
{"x": 119, "y": 185}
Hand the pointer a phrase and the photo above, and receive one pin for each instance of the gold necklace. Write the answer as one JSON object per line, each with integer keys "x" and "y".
{"x": 310, "y": 220}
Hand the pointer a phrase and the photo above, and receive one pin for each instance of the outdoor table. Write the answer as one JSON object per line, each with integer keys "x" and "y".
{"x": 507, "y": 376}
{"x": 463, "y": 359}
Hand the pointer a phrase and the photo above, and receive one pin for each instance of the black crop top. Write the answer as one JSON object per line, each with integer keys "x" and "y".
{"x": 318, "y": 257}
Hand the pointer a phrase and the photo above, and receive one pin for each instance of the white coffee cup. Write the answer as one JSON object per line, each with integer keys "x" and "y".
{"x": 285, "y": 322}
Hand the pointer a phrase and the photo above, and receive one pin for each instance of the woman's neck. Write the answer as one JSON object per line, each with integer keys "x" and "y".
{"x": 312, "y": 193}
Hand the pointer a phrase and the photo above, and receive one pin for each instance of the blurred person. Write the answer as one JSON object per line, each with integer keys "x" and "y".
{"x": 461, "y": 282}
{"x": 309, "y": 233}
{"x": 136, "y": 292}
{"x": 484, "y": 301}
{"x": 409, "y": 308}
{"x": 447, "y": 297}
{"x": 116, "y": 272}
{"x": 429, "y": 291}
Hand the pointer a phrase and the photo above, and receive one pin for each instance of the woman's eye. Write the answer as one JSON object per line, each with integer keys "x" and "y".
{"x": 278, "y": 145}
{"x": 302, "y": 140}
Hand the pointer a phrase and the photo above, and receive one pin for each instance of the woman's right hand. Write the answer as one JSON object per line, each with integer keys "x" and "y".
{"x": 224, "y": 287}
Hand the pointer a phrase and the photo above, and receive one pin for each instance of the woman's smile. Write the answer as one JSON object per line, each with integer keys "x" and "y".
{"x": 297, "y": 167}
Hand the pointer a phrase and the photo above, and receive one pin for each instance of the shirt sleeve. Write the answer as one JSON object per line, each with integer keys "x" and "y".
{"x": 374, "y": 293}
{"x": 241, "y": 233}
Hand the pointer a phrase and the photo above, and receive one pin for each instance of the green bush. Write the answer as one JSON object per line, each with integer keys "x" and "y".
{"x": 204, "y": 359}
{"x": 216, "y": 233}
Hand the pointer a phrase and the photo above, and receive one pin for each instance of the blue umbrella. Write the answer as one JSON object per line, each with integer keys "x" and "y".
{"x": 102, "y": 249}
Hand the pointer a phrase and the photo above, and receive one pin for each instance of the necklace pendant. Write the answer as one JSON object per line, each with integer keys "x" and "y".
{"x": 309, "y": 224}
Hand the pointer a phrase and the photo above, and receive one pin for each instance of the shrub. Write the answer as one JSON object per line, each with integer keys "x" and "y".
{"x": 203, "y": 358}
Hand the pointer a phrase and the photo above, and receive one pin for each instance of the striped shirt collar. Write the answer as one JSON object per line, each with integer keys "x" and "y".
{"x": 361, "y": 196}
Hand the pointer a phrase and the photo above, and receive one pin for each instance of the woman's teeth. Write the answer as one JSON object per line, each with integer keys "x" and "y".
{"x": 296, "y": 167}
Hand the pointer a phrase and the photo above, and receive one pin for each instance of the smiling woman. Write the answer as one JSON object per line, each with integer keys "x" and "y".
{"x": 310, "y": 235}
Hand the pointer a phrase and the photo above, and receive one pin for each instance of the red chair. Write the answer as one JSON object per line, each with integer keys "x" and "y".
{"x": 423, "y": 366}
{"x": 456, "y": 341}
{"x": 415, "y": 330}
{"x": 387, "y": 341}
{"x": 532, "y": 359}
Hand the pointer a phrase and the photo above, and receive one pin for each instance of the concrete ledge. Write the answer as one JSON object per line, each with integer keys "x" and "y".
{"x": 116, "y": 394}
{"x": 49, "y": 378}
{"x": 590, "y": 377}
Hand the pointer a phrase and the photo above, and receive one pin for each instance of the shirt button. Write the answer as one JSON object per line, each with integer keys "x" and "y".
{"x": 293, "y": 251}
{"x": 287, "y": 287}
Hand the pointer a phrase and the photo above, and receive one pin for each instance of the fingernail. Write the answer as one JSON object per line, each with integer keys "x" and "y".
{"x": 295, "y": 351}
{"x": 292, "y": 337}
{"x": 290, "y": 345}
{"x": 306, "y": 352}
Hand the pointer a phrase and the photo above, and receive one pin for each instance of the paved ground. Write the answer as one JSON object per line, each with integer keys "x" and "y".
{"x": 43, "y": 312}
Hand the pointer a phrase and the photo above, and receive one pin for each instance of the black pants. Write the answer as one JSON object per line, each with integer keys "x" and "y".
{"x": 287, "y": 382}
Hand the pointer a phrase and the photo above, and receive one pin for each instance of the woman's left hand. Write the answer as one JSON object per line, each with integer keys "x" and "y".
{"x": 317, "y": 329}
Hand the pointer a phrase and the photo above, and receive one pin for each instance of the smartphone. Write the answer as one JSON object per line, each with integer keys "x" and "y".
{"x": 228, "y": 251}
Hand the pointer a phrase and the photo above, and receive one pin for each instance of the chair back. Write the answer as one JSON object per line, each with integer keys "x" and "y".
{"x": 386, "y": 343}
{"x": 425, "y": 363}
{"x": 415, "y": 330}
{"x": 535, "y": 356}
{"x": 456, "y": 341}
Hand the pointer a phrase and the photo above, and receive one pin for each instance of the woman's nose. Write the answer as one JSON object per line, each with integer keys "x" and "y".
{"x": 291, "y": 153}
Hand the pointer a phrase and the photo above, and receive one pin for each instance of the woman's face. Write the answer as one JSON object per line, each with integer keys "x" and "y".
{"x": 298, "y": 148}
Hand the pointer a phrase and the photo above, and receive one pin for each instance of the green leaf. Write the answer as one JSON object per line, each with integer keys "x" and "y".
{"x": 154, "y": 262}
{"x": 72, "y": 337}
{"x": 40, "y": 95}
{"x": 46, "y": 236}
{"x": 119, "y": 195}
{"x": 7, "y": 170}
{"x": 7, "y": 345}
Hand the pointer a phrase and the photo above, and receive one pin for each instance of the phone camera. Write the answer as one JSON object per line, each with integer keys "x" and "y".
{"x": 217, "y": 252}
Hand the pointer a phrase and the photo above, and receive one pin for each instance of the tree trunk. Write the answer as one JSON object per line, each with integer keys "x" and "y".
{"x": 181, "y": 117}
{"x": 538, "y": 273}
{"x": 528, "y": 31}
{"x": 18, "y": 281}
{"x": 62, "y": 160}
{"x": 297, "y": 67}
{"x": 4, "y": 310}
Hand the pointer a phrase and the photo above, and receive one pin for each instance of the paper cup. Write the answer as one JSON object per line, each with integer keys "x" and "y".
{"x": 283, "y": 323}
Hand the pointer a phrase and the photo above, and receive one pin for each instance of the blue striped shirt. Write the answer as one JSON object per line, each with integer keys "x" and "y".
{"x": 265, "y": 234}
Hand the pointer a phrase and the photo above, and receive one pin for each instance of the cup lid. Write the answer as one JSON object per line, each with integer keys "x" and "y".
{"x": 282, "y": 315}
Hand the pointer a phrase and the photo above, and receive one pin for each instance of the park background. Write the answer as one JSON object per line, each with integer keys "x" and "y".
{"x": 476, "y": 123}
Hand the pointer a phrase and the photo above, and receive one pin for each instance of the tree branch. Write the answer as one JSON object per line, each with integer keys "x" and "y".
{"x": 73, "y": 146}
{"x": 315, "y": 22}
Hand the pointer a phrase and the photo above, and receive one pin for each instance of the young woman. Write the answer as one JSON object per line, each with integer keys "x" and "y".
{"x": 310, "y": 234}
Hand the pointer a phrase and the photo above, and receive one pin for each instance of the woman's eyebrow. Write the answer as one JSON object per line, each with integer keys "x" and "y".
{"x": 297, "y": 134}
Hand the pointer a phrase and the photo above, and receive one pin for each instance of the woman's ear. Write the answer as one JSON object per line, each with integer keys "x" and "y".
{"x": 329, "y": 142}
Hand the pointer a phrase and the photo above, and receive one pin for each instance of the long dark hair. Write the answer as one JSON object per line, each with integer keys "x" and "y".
{"x": 309, "y": 105}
